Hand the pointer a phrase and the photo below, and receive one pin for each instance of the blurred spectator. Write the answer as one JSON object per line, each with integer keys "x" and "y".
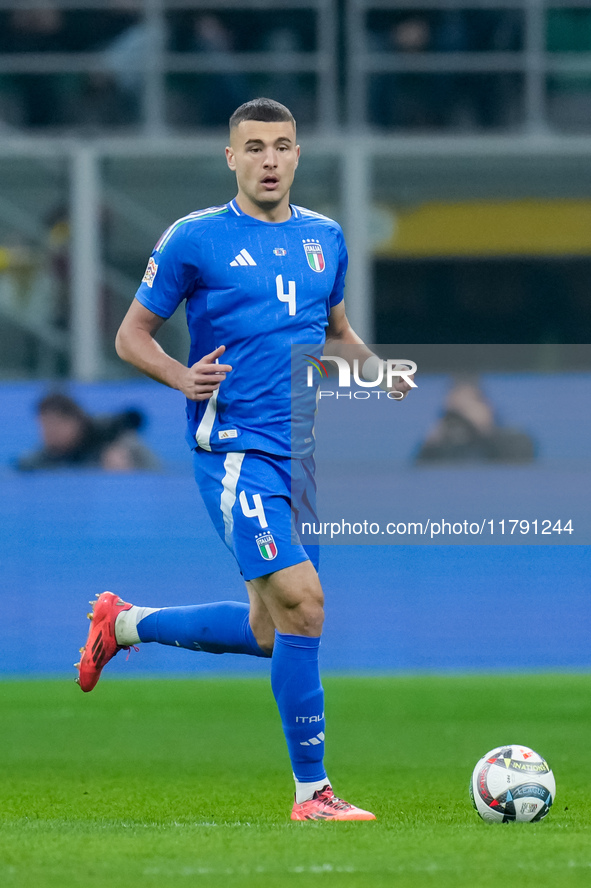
{"x": 468, "y": 432}
{"x": 226, "y": 90}
{"x": 421, "y": 100}
{"x": 400, "y": 99}
{"x": 74, "y": 439}
{"x": 57, "y": 261}
{"x": 58, "y": 247}
{"x": 66, "y": 99}
{"x": 34, "y": 100}
{"x": 123, "y": 41}
{"x": 492, "y": 100}
{"x": 569, "y": 94}
{"x": 114, "y": 97}
{"x": 20, "y": 281}
{"x": 288, "y": 87}
{"x": 210, "y": 99}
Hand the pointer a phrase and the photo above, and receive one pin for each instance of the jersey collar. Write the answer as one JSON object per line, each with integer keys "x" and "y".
{"x": 236, "y": 209}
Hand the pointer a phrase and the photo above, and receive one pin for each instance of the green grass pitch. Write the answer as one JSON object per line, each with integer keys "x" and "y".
{"x": 160, "y": 783}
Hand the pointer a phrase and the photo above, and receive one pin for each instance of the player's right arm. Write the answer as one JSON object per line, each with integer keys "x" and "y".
{"x": 135, "y": 343}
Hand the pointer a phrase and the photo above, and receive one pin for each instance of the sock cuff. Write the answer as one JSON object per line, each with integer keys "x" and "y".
{"x": 304, "y": 790}
{"x": 298, "y": 641}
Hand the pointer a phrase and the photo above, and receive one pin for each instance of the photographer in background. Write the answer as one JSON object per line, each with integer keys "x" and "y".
{"x": 74, "y": 439}
{"x": 468, "y": 432}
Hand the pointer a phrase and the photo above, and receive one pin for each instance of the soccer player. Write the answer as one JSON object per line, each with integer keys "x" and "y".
{"x": 258, "y": 275}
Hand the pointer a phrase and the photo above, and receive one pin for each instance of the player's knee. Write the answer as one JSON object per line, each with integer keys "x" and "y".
{"x": 266, "y": 641}
{"x": 307, "y": 618}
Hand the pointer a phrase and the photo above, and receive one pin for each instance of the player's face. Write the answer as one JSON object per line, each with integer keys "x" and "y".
{"x": 264, "y": 157}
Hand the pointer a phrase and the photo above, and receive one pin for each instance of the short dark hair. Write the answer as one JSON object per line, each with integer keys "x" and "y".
{"x": 63, "y": 405}
{"x": 267, "y": 110}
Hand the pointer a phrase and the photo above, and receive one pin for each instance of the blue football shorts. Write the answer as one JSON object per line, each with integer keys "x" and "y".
{"x": 254, "y": 500}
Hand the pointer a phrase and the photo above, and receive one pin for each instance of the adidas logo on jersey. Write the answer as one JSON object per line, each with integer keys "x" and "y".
{"x": 243, "y": 258}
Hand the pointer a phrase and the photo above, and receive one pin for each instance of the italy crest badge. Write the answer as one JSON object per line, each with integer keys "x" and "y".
{"x": 267, "y": 546}
{"x": 314, "y": 255}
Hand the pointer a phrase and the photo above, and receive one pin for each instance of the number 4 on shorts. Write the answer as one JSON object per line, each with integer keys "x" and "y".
{"x": 257, "y": 512}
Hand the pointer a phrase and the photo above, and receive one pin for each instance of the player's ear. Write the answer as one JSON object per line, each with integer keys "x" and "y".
{"x": 297, "y": 148}
{"x": 230, "y": 158}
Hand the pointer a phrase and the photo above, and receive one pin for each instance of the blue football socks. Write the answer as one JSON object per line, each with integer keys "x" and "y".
{"x": 295, "y": 679}
{"x": 224, "y": 627}
{"x": 219, "y": 628}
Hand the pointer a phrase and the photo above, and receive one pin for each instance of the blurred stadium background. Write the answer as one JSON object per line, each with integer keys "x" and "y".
{"x": 451, "y": 139}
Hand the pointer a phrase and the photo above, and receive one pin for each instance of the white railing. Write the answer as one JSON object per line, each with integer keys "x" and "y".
{"x": 156, "y": 62}
{"x": 344, "y": 140}
{"x": 90, "y": 196}
{"x": 359, "y": 60}
{"x": 532, "y": 61}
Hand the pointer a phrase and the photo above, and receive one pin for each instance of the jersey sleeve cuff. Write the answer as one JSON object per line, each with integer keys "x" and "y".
{"x": 147, "y": 303}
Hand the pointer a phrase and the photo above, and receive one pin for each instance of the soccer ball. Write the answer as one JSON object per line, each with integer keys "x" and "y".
{"x": 512, "y": 783}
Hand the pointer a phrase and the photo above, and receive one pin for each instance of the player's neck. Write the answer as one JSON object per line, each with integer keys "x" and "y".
{"x": 279, "y": 213}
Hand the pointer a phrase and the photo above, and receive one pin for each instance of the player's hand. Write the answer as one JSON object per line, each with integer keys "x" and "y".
{"x": 398, "y": 386}
{"x": 200, "y": 381}
{"x": 401, "y": 386}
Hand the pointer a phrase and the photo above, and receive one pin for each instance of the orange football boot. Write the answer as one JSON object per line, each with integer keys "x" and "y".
{"x": 101, "y": 644}
{"x": 324, "y": 805}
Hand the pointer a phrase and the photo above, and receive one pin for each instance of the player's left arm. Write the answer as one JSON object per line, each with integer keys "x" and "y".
{"x": 340, "y": 332}
{"x": 343, "y": 341}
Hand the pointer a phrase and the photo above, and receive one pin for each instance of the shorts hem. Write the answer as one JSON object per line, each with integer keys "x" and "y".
{"x": 267, "y": 569}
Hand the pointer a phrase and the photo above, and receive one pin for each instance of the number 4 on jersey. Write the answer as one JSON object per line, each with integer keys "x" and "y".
{"x": 289, "y": 297}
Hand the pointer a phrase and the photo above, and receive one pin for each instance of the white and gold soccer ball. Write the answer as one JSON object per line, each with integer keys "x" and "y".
{"x": 512, "y": 783}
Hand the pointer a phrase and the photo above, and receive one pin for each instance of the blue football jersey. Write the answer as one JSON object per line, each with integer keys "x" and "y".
{"x": 259, "y": 288}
